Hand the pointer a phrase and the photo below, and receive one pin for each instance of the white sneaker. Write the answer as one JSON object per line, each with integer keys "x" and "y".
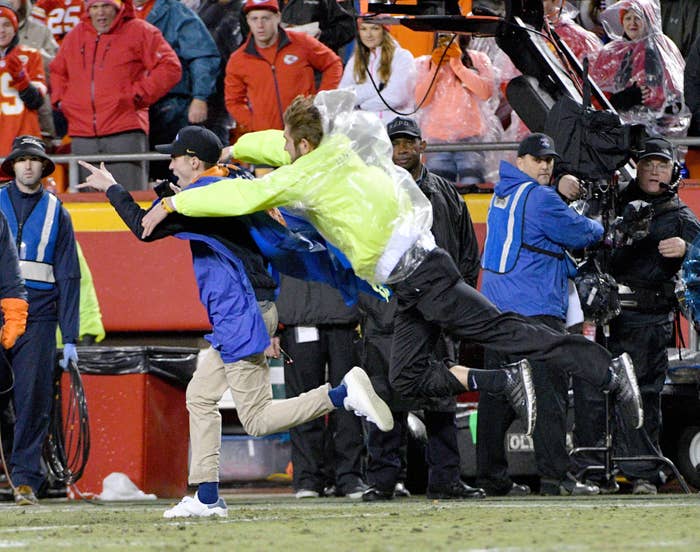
{"x": 306, "y": 493}
{"x": 192, "y": 507}
{"x": 364, "y": 401}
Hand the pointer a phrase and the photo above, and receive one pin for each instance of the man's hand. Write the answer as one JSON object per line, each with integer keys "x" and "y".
{"x": 99, "y": 179}
{"x": 197, "y": 112}
{"x": 273, "y": 349}
{"x": 569, "y": 186}
{"x": 226, "y": 154}
{"x": 69, "y": 353}
{"x": 672, "y": 248}
{"x": 153, "y": 218}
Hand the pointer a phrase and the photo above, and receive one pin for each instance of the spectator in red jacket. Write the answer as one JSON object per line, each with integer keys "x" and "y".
{"x": 583, "y": 43}
{"x": 23, "y": 83}
{"x": 272, "y": 67}
{"x": 109, "y": 69}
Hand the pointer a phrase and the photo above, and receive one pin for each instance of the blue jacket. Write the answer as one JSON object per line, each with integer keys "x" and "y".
{"x": 529, "y": 228}
{"x": 193, "y": 44}
{"x": 60, "y": 300}
{"x": 226, "y": 256}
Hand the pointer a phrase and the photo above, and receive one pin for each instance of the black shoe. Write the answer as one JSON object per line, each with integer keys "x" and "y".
{"x": 455, "y": 491}
{"x": 568, "y": 486}
{"x": 400, "y": 490}
{"x": 609, "y": 486}
{"x": 373, "y": 494}
{"x": 513, "y": 490}
{"x": 518, "y": 490}
{"x": 521, "y": 393}
{"x": 355, "y": 492}
{"x": 623, "y": 384}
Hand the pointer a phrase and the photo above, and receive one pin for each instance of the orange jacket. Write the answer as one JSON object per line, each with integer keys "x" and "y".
{"x": 452, "y": 110}
{"x": 105, "y": 83}
{"x": 257, "y": 93}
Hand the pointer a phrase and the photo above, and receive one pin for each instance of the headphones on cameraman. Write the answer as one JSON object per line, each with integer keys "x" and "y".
{"x": 662, "y": 147}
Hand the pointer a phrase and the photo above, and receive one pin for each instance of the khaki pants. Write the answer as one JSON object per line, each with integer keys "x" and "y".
{"x": 249, "y": 381}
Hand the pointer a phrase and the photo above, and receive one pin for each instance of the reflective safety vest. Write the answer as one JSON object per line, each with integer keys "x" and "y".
{"x": 35, "y": 238}
{"x": 504, "y": 229}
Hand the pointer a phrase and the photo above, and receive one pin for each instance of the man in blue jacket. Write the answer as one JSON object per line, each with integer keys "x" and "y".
{"x": 43, "y": 233}
{"x": 186, "y": 103}
{"x": 237, "y": 291}
{"x": 527, "y": 270}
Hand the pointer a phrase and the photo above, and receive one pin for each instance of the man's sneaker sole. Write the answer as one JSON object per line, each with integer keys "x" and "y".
{"x": 524, "y": 371}
{"x": 374, "y": 408}
{"x": 628, "y": 366}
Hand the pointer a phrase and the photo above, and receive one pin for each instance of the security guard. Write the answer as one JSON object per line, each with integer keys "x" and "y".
{"x": 43, "y": 233}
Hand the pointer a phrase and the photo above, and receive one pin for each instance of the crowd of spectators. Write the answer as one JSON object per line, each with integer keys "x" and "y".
{"x": 232, "y": 79}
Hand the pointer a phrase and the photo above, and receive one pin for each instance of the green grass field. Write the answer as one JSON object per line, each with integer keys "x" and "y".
{"x": 280, "y": 522}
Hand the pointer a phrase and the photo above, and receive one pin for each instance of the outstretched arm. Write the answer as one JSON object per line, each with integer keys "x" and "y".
{"x": 130, "y": 212}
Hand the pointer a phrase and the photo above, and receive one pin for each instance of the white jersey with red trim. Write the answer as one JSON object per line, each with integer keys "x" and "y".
{"x": 15, "y": 118}
{"x": 58, "y": 15}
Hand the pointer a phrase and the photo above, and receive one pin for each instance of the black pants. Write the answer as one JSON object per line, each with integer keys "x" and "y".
{"x": 386, "y": 451}
{"x": 495, "y": 416}
{"x": 646, "y": 344}
{"x": 435, "y": 297}
{"x": 313, "y": 441}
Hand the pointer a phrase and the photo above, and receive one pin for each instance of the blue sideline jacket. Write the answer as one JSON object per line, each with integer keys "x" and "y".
{"x": 529, "y": 228}
{"x": 43, "y": 233}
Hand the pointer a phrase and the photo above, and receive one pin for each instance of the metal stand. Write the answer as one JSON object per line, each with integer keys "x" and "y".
{"x": 609, "y": 459}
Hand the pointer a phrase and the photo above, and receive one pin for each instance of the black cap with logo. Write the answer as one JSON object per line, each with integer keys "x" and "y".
{"x": 403, "y": 126}
{"x": 537, "y": 145}
{"x": 656, "y": 147}
{"x": 195, "y": 141}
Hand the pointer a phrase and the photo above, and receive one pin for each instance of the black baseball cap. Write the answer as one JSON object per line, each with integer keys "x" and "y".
{"x": 537, "y": 145}
{"x": 403, "y": 126}
{"x": 656, "y": 147}
{"x": 195, "y": 141}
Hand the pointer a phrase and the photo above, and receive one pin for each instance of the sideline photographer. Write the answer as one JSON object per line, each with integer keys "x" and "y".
{"x": 645, "y": 270}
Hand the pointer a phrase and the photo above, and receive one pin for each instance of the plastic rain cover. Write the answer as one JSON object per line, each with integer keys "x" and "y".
{"x": 650, "y": 61}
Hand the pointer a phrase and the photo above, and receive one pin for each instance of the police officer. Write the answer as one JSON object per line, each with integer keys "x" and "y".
{"x": 645, "y": 270}
{"x": 453, "y": 230}
{"x": 43, "y": 233}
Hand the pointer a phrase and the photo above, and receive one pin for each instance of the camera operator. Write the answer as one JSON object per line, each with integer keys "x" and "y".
{"x": 527, "y": 270}
{"x": 645, "y": 270}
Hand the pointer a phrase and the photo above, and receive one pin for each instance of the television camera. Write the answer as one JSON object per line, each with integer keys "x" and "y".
{"x": 554, "y": 95}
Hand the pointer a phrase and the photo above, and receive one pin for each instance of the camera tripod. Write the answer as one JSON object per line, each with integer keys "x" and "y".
{"x": 609, "y": 459}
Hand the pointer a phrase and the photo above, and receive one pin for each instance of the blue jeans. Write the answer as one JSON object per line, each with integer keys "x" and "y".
{"x": 461, "y": 167}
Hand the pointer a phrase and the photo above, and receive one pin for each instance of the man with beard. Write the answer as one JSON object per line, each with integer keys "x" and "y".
{"x": 527, "y": 270}
{"x": 43, "y": 232}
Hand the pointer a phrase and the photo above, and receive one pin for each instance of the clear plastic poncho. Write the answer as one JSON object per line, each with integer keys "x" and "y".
{"x": 650, "y": 62}
{"x": 404, "y": 214}
{"x": 583, "y": 43}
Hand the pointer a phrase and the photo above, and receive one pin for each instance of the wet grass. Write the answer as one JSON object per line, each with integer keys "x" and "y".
{"x": 273, "y": 522}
